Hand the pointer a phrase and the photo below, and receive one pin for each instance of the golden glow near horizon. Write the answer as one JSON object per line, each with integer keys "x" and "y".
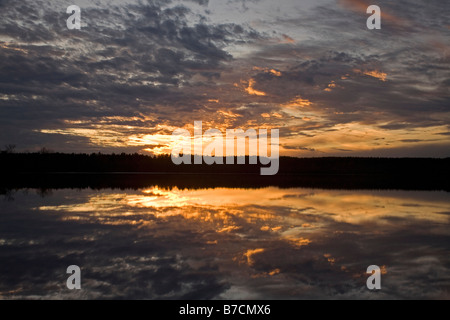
{"x": 340, "y": 138}
{"x": 304, "y": 124}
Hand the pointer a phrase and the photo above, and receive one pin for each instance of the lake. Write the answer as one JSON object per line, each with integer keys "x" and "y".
{"x": 164, "y": 242}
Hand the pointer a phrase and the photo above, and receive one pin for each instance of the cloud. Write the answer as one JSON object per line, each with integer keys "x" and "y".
{"x": 298, "y": 148}
{"x": 169, "y": 62}
{"x": 149, "y": 60}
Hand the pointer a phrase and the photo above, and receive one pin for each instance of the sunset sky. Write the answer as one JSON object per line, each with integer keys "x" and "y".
{"x": 138, "y": 70}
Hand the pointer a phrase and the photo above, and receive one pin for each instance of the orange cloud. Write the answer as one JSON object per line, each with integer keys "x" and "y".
{"x": 373, "y": 73}
{"x": 250, "y": 90}
{"x": 274, "y": 272}
{"x": 267, "y": 70}
{"x": 298, "y": 102}
{"x": 275, "y": 72}
{"x": 250, "y": 253}
{"x": 6, "y": 46}
{"x": 377, "y": 74}
{"x": 331, "y": 86}
{"x": 298, "y": 242}
{"x": 229, "y": 114}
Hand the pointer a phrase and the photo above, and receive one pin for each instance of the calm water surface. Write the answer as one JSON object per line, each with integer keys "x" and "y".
{"x": 223, "y": 243}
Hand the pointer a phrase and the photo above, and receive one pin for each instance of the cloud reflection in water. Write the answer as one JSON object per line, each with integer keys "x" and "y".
{"x": 225, "y": 243}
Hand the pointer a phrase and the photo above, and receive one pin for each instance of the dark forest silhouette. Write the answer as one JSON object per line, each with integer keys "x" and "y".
{"x": 59, "y": 170}
{"x": 47, "y": 162}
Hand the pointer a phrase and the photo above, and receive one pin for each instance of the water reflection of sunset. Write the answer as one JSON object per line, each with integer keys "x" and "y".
{"x": 245, "y": 243}
{"x": 344, "y": 206}
{"x": 295, "y": 216}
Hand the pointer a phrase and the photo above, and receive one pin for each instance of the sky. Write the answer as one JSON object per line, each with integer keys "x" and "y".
{"x": 138, "y": 70}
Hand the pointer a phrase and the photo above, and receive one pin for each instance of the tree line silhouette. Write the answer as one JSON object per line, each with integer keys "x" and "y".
{"x": 60, "y": 170}
{"x": 51, "y": 162}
